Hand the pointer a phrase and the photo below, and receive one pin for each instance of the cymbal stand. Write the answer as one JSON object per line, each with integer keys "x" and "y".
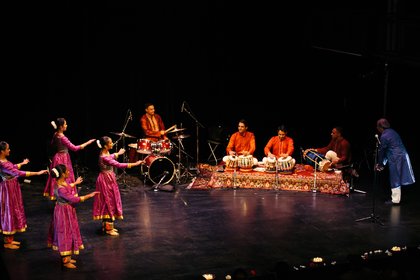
{"x": 123, "y": 174}
{"x": 182, "y": 151}
{"x": 125, "y": 159}
{"x": 179, "y": 174}
{"x": 179, "y": 164}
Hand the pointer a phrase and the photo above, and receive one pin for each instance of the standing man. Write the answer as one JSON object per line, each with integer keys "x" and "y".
{"x": 241, "y": 142}
{"x": 152, "y": 124}
{"x": 392, "y": 151}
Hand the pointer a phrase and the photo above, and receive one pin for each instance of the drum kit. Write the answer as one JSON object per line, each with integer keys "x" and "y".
{"x": 158, "y": 168}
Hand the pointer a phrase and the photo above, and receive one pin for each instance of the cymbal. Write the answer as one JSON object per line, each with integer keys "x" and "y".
{"x": 177, "y": 129}
{"x": 123, "y": 134}
{"x": 182, "y": 136}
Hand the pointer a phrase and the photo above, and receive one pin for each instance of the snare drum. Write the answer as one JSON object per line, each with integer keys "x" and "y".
{"x": 245, "y": 163}
{"x": 286, "y": 164}
{"x": 144, "y": 146}
{"x": 316, "y": 160}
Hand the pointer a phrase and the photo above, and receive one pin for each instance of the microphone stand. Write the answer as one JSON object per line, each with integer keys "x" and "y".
{"x": 277, "y": 175}
{"x": 373, "y": 217}
{"x": 156, "y": 187}
{"x": 315, "y": 167}
{"x": 198, "y": 125}
{"x": 234, "y": 177}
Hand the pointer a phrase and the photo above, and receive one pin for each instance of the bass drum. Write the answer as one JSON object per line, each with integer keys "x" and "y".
{"x": 161, "y": 169}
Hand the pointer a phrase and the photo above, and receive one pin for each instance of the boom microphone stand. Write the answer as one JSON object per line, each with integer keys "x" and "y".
{"x": 373, "y": 217}
{"x": 157, "y": 186}
{"x": 197, "y": 125}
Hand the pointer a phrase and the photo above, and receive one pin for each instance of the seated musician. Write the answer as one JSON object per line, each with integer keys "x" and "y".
{"x": 339, "y": 145}
{"x": 280, "y": 146}
{"x": 152, "y": 124}
{"x": 241, "y": 142}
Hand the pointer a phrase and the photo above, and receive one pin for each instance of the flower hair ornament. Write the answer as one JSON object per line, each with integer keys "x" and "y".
{"x": 55, "y": 172}
{"x": 54, "y": 124}
{"x": 99, "y": 144}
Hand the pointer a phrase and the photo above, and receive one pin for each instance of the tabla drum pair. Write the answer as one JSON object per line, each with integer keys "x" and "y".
{"x": 244, "y": 163}
{"x": 316, "y": 160}
{"x": 284, "y": 164}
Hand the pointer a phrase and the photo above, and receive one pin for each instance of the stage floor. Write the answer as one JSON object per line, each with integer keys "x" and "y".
{"x": 188, "y": 232}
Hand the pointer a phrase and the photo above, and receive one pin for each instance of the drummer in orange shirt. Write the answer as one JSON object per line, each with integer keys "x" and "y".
{"x": 152, "y": 124}
{"x": 280, "y": 145}
{"x": 241, "y": 142}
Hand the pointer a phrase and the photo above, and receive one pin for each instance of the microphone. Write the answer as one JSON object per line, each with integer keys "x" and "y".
{"x": 377, "y": 138}
{"x": 164, "y": 174}
{"x": 130, "y": 117}
{"x": 182, "y": 107}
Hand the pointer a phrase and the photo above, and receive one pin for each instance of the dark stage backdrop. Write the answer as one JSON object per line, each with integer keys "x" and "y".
{"x": 308, "y": 66}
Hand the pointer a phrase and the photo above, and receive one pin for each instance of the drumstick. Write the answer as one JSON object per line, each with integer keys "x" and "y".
{"x": 172, "y": 127}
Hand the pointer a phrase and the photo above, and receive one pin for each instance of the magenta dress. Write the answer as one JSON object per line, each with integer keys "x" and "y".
{"x": 12, "y": 212}
{"x": 64, "y": 233}
{"x": 62, "y": 145}
{"x": 108, "y": 204}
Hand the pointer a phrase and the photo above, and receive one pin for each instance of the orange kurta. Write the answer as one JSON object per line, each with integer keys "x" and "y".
{"x": 279, "y": 146}
{"x": 152, "y": 127}
{"x": 239, "y": 143}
